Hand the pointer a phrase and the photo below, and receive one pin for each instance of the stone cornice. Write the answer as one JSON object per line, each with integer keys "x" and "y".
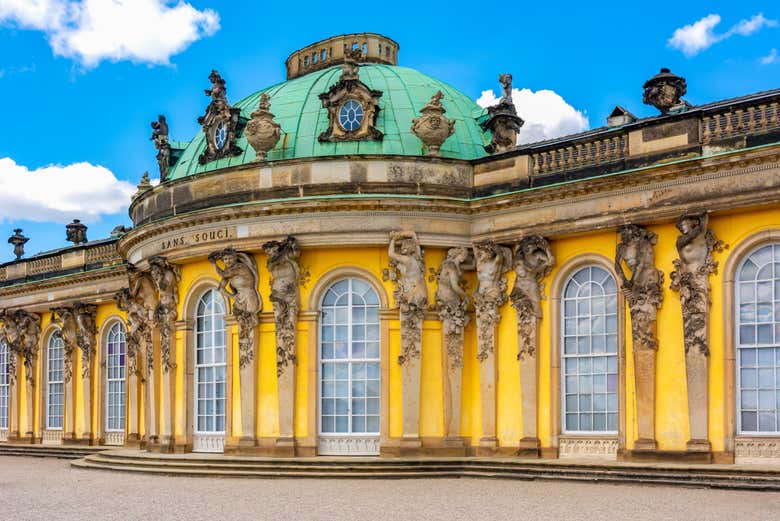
{"x": 65, "y": 281}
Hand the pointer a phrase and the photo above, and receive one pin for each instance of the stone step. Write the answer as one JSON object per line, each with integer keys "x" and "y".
{"x": 49, "y": 451}
{"x": 187, "y": 465}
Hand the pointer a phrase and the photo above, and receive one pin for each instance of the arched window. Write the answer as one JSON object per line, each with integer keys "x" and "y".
{"x": 589, "y": 357}
{"x": 349, "y": 368}
{"x": 758, "y": 342}
{"x": 4, "y": 384}
{"x": 115, "y": 378}
{"x": 210, "y": 352}
{"x": 55, "y": 363}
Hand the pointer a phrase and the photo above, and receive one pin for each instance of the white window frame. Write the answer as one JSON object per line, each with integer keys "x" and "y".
{"x": 215, "y": 314}
{"x": 56, "y": 337}
{"x": 350, "y": 361}
{"x": 564, "y": 356}
{"x": 775, "y": 324}
{"x": 116, "y": 371}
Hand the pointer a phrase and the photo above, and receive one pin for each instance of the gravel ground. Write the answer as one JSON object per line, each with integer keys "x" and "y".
{"x": 34, "y": 488}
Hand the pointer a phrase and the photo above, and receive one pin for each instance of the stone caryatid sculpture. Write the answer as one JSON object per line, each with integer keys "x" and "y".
{"x": 86, "y": 334}
{"x": 262, "y": 132}
{"x": 18, "y": 241}
{"x": 76, "y": 232}
{"x": 21, "y": 332}
{"x": 493, "y": 261}
{"x": 137, "y": 327}
{"x": 162, "y": 144}
{"x": 240, "y": 281}
{"x": 452, "y": 302}
{"x": 664, "y": 91}
{"x": 65, "y": 317}
{"x": 533, "y": 260}
{"x": 143, "y": 300}
{"x": 691, "y": 278}
{"x": 433, "y": 127}
{"x": 166, "y": 277}
{"x": 643, "y": 291}
{"x": 503, "y": 122}
{"x": 283, "y": 264}
{"x": 407, "y": 270}
{"x": 220, "y": 123}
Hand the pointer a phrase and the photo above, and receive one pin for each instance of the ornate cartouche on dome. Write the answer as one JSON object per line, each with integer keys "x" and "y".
{"x": 664, "y": 91}
{"x": 353, "y": 107}
{"x": 220, "y": 123}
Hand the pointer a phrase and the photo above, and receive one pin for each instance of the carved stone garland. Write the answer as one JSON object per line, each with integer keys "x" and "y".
{"x": 452, "y": 302}
{"x": 533, "y": 260}
{"x": 220, "y": 123}
{"x": 493, "y": 260}
{"x": 350, "y": 88}
{"x": 643, "y": 291}
{"x": 695, "y": 246}
{"x": 407, "y": 270}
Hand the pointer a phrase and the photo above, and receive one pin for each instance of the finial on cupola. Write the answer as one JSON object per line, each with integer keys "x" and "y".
{"x": 18, "y": 240}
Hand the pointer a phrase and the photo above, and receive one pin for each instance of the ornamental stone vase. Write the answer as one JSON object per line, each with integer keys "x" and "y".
{"x": 262, "y": 132}
{"x": 432, "y": 127}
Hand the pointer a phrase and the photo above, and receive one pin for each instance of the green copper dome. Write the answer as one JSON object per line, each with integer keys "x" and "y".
{"x": 298, "y": 109}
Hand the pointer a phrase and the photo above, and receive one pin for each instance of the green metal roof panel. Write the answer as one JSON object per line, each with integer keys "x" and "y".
{"x": 298, "y": 110}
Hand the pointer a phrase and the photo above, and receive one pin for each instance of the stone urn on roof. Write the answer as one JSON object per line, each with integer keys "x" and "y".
{"x": 18, "y": 241}
{"x": 664, "y": 91}
{"x": 433, "y": 128}
{"x": 262, "y": 132}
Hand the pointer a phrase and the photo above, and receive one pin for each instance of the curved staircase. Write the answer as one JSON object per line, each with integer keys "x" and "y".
{"x": 718, "y": 476}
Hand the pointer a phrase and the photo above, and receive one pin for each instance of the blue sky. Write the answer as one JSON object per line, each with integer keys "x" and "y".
{"x": 82, "y": 79}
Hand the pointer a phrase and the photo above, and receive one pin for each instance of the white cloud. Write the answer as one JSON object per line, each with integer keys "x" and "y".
{"x": 545, "y": 112}
{"x": 770, "y": 58}
{"x": 60, "y": 193}
{"x": 700, "y": 35}
{"x": 90, "y": 31}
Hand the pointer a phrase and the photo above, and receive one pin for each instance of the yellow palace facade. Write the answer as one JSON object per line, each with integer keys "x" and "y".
{"x": 360, "y": 261}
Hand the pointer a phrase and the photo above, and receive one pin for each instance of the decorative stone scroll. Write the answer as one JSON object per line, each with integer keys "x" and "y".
{"x": 533, "y": 260}
{"x": 166, "y": 277}
{"x": 136, "y": 323}
{"x": 283, "y": 264}
{"x": 503, "y": 122}
{"x": 162, "y": 144}
{"x": 452, "y": 302}
{"x": 696, "y": 245}
{"x": 220, "y": 123}
{"x": 493, "y": 260}
{"x": 350, "y": 88}
{"x": 240, "y": 281}
{"x": 644, "y": 295}
{"x": 86, "y": 334}
{"x": 433, "y": 128}
{"x": 262, "y": 132}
